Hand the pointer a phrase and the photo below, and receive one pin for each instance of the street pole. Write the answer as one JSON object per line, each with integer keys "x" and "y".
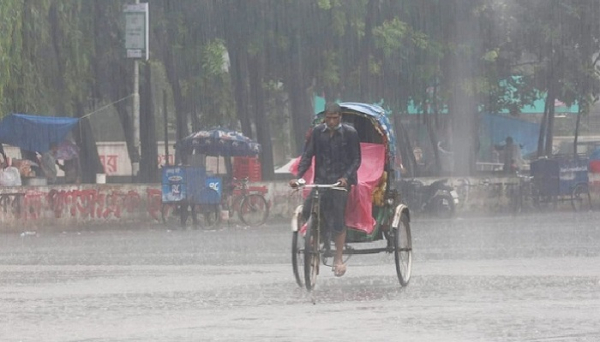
{"x": 136, "y": 117}
{"x": 136, "y": 45}
{"x": 135, "y": 165}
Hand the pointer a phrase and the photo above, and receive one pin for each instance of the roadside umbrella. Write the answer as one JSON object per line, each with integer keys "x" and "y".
{"x": 219, "y": 142}
{"x": 67, "y": 150}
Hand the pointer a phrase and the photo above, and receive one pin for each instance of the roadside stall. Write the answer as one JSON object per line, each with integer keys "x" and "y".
{"x": 189, "y": 189}
{"x": 34, "y": 133}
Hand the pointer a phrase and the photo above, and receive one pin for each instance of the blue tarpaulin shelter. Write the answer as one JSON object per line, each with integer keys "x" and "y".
{"x": 496, "y": 128}
{"x": 34, "y": 132}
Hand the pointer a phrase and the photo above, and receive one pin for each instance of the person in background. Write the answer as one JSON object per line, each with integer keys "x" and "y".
{"x": 72, "y": 170}
{"x": 5, "y": 161}
{"x": 336, "y": 149}
{"x": 48, "y": 163}
{"x": 511, "y": 158}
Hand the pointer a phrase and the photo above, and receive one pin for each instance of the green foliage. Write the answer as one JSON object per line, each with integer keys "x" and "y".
{"x": 390, "y": 35}
{"x": 215, "y": 86}
{"x": 330, "y": 74}
{"x": 10, "y": 13}
{"x": 213, "y": 58}
{"x": 362, "y": 50}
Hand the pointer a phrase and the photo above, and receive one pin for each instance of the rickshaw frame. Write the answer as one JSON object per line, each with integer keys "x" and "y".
{"x": 392, "y": 218}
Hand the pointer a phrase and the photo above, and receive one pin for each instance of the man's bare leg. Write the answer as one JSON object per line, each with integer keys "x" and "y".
{"x": 338, "y": 266}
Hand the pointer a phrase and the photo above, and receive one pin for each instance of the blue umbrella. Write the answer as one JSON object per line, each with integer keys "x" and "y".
{"x": 219, "y": 142}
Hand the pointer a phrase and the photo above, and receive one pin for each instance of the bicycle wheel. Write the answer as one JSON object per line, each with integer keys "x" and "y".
{"x": 403, "y": 250}
{"x": 298, "y": 246}
{"x": 312, "y": 241}
{"x": 208, "y": 214}
{"x": 254, "y": 210}
{"x": 580, "y": 198}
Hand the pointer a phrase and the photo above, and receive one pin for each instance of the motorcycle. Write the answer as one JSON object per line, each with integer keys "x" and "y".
{"x": 437, "y": 198}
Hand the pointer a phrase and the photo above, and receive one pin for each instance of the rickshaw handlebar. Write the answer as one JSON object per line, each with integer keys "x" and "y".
{"x": 301, "y": 183}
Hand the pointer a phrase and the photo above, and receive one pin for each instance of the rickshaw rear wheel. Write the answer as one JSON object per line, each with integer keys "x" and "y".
{"x": 403, "y": 250}
{"x": 298, "y": 246}
{"x": 312, "y": 241}
{"x": 254, "y": 210}
{"x": 210, "y": 213}
{"x": 581, "y": 198}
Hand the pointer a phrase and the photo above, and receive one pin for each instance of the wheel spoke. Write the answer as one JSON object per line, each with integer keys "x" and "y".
{"x": 298, "y": 247}
{"x": 403, "y": 250}
{"x": 253, "y": 210}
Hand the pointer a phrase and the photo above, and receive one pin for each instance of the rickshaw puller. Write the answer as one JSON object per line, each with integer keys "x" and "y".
{"x": 336, "y": 149}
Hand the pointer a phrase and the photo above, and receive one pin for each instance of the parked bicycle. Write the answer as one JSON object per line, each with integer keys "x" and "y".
{"x": 251, "y": 207}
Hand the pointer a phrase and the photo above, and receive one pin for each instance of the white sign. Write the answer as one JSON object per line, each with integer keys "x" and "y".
{"x": 136, "y": 30}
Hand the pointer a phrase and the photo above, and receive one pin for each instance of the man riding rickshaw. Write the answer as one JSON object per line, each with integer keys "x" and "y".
{"x": 349, "y": 154}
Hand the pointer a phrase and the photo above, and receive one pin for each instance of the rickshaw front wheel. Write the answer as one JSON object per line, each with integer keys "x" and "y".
{"x": 298, "y": 246}
{"x": 311, "y": 256}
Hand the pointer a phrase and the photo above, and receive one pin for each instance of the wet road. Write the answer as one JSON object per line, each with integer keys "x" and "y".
{"x": 529, "y": 278}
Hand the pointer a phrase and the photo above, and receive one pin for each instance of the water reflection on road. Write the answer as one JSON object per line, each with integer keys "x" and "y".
{"x": 528, "y": 278}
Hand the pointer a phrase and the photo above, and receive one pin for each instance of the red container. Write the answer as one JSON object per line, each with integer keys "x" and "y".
{"x": 595, "y": 166}
{"x": 247, "y": 167}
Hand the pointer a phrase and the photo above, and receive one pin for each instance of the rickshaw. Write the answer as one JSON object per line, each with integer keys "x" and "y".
{"x": 373, "y": 212}
{"x": 561, "y": 178}
{"x": 190, "y": 190}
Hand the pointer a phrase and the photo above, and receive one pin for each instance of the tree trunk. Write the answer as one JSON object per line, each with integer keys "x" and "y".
{"x": 56, "y": 40}
{"x": 365, "y": 79}
{"x": 404, "y": 149}
{"x": 181, "y": 127}
{"x": 236, "y": 13}
{"x": 433, "y": 140}
{"x": 463, "y": 106}
{"x": 550, "y": 126}
{"x": 88, "y": 152}
{"x": 577, "y": 123}
{"x": 149, "y": 149}
{"x": 301, "y": 109}
{"x": 263, "y": 129}
{"x": 118, "y": 92}
{"x": 238, "y": 79}
{"x": 542, "y": 134}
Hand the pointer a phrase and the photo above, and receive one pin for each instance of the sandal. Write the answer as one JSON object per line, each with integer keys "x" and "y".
{"x": 339, "y": 269}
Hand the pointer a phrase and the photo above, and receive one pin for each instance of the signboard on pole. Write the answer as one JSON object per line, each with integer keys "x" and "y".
{"x": 136, "y": 30}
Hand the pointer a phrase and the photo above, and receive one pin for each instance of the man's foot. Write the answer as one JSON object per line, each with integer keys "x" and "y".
{"x": 339, "y": 269}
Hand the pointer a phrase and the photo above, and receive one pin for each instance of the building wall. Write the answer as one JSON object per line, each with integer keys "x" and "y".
{"x": 64, "y": 207}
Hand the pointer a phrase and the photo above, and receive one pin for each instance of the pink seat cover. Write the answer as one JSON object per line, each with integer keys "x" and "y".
{"x": 359, "y": 207}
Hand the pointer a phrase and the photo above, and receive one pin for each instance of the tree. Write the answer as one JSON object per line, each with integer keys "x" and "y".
{"x": 562, "y": 37}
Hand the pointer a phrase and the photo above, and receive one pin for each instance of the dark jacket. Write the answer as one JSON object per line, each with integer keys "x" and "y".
{"x": 336, "y": 156}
